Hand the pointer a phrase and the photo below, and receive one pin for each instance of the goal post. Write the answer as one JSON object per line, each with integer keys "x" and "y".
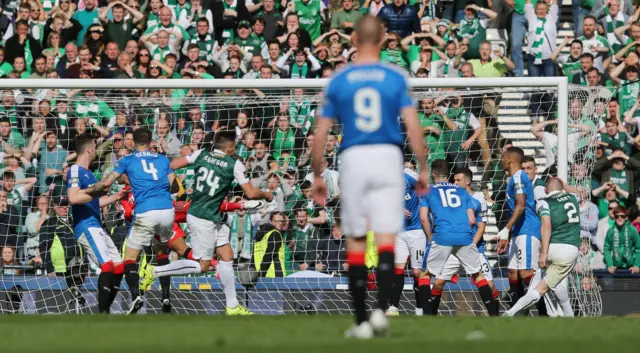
{"x": 222, "y": 103}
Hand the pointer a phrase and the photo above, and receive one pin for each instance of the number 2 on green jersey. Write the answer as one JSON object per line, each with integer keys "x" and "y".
{"x": 206, "y": 176}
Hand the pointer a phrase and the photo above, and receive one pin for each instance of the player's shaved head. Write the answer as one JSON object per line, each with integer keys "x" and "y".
{"x": 528, "y": 159}
{"x": 368, "y": 31}
{"x": 516, "y": 154}
{"x": 142, "y": 136}
{"x": 554, "y": 184}
{"x": 440, "y": 169}
{"x": 224, "y": 139}
{"x": 84, "y": 143}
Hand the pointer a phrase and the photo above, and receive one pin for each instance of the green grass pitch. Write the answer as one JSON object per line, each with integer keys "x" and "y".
{"x": 305, "y": 334}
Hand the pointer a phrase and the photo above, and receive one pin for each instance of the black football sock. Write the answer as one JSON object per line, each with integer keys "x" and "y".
{"x": 358, "y": 285}
{"x": 416, "y": 292}
{"x": 514, "y": 292}
{"x": 397, "y": 287}
{"x": 105, "y": 280}
{"x": 486, "y": 294}
{"x": 424, "y": 287}
{"x": 385, "y": 275}
{"x": 118, "y": 273}
{"x": 132, "y": 277}
{"x": 165, "y": 281}
{"x": 434, "y": 301}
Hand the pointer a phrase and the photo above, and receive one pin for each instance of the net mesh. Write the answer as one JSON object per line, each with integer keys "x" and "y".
{"x": 45, "y": 271}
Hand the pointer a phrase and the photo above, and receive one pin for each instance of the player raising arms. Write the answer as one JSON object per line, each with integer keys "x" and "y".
{"x": 86, "y": 200}
{"x": 150, "y": 176}
{"x": 411, "y": 243}
{"x": 560, "y": 244}
{"x": 453, "y": 214}
{"x": 367, "y": 97}
{"x": 463, "y": 178}
{"x": 215, "y": 172}
{"x": 523, "y": 226}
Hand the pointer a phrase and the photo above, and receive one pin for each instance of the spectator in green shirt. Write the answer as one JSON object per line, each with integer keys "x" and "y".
{"x": 622, "y": 244}
{"x": 345, "y": 19}
{"x": 12, "y": 140}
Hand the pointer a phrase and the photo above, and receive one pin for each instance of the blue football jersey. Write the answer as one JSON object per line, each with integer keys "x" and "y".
{"x": 528, "y": 224}
{"x": 411, "y": 200}
{"x": 448, "y": 205}
{"x": 87, "y": 214}
{"x": 367, "y": 100}
{"x": 148, "y": 175}
{"x": 480, "y": 211}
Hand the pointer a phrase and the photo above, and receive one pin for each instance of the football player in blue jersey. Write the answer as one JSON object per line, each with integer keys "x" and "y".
{"x": 367, "y": 97}
{"x": 463, "y": 178}
{"x": 452, "y": 210}
{"x": 86, "y": 200}
{"x": 150, "y": 178}
{"x": 523, "y": 228}
{"x": 410, "y": 244}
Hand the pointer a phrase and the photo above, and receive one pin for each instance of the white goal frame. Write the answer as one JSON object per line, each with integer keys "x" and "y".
{"x": 561, "y": 83}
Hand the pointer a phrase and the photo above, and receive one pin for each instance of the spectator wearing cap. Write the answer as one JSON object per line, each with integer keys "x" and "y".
{"x": 542, "y": 39}
{"x": 60, "y": 252}
{"x": 486, "y": 66}
{"x": 22, "y": 45}
{"x": 596, "y": 45}
{"x": 271, "y": 17}
{"x": 246, "y": 40}
{"x": 226, "y": 16}
{"x": 86, "y": 17}
{"x": 345, "y": 19}
{"x": 293, "y": 26}
{"x": 473, "y": 30}
{"x": 304, "y": 64}
{"x": 119, "y": 29}
{"x": 400, "y": 18}
{"x": 202, "y": 39}
{"x": 622, "y": 244}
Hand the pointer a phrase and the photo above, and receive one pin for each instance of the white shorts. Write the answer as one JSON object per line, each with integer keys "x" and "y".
{"x": 98, "y": 245}
{"x": 411, "y": 243}
{"x": 439, "y": 263}
{"x": 372, "y": 188}
{"x": 524, "y": 252}
{"x": 562, "y": 259}
{"x": 206, "y": 236}
{"x": 146, "y": 226}
{"x": 485, "y": 268}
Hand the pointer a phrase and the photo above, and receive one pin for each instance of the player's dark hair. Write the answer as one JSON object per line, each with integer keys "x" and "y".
{"x": 516, "y": 153}
{"x": 9, "y": 175}
{"x": 440, "y": 168}
{"x": 83, "y": 142}
{"x": 529, "y": 159}
{"x": 142, "y": 136}
{"x": 369, "y": 30}
{"x": 466, "y": 171}
{"x": 5, "y": 120}
{"x": 305, "y": 185}
{"x": 575, "y": 41}
{"x": 223, "y": 138}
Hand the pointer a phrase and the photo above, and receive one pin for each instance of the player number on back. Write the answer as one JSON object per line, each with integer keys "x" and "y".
{"x": 149, "y": 168}
{"x": 366, "y": 104}
{"x": 571, "y": 213}
{"x": 206, "y": 176}
{"x": 449, "y": 198}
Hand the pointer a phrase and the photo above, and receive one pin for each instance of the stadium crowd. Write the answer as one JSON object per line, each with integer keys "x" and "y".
{"x": 231, "y": 39}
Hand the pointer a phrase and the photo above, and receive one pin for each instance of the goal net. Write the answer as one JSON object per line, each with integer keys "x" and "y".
{"x": 45, "y": 271}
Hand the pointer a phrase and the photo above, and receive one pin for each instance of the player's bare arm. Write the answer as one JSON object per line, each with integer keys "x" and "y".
{"x": 480, "y": 232}
{"x": 472, "y": 216}
{"x": 178, "y": 163}
{"x": 545, "y": 235}
{"x": 108, "y": 200}
{"x": 79, "y": 197}
{"x": 108, "y": 180}
{"x": 323, "y": 126}
{"x": 416, "y": 141}
{"x": 424, "y": 219}
{"x": 518, "y": 211}
{"x": 253, "y": 193}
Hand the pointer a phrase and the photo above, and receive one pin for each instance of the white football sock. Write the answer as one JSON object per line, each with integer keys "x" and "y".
{"x": 562, "y": 293}
{"x": 180, "y": 267}
{"x": 527, "y": 301}
{"x": 227, "y": 280}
